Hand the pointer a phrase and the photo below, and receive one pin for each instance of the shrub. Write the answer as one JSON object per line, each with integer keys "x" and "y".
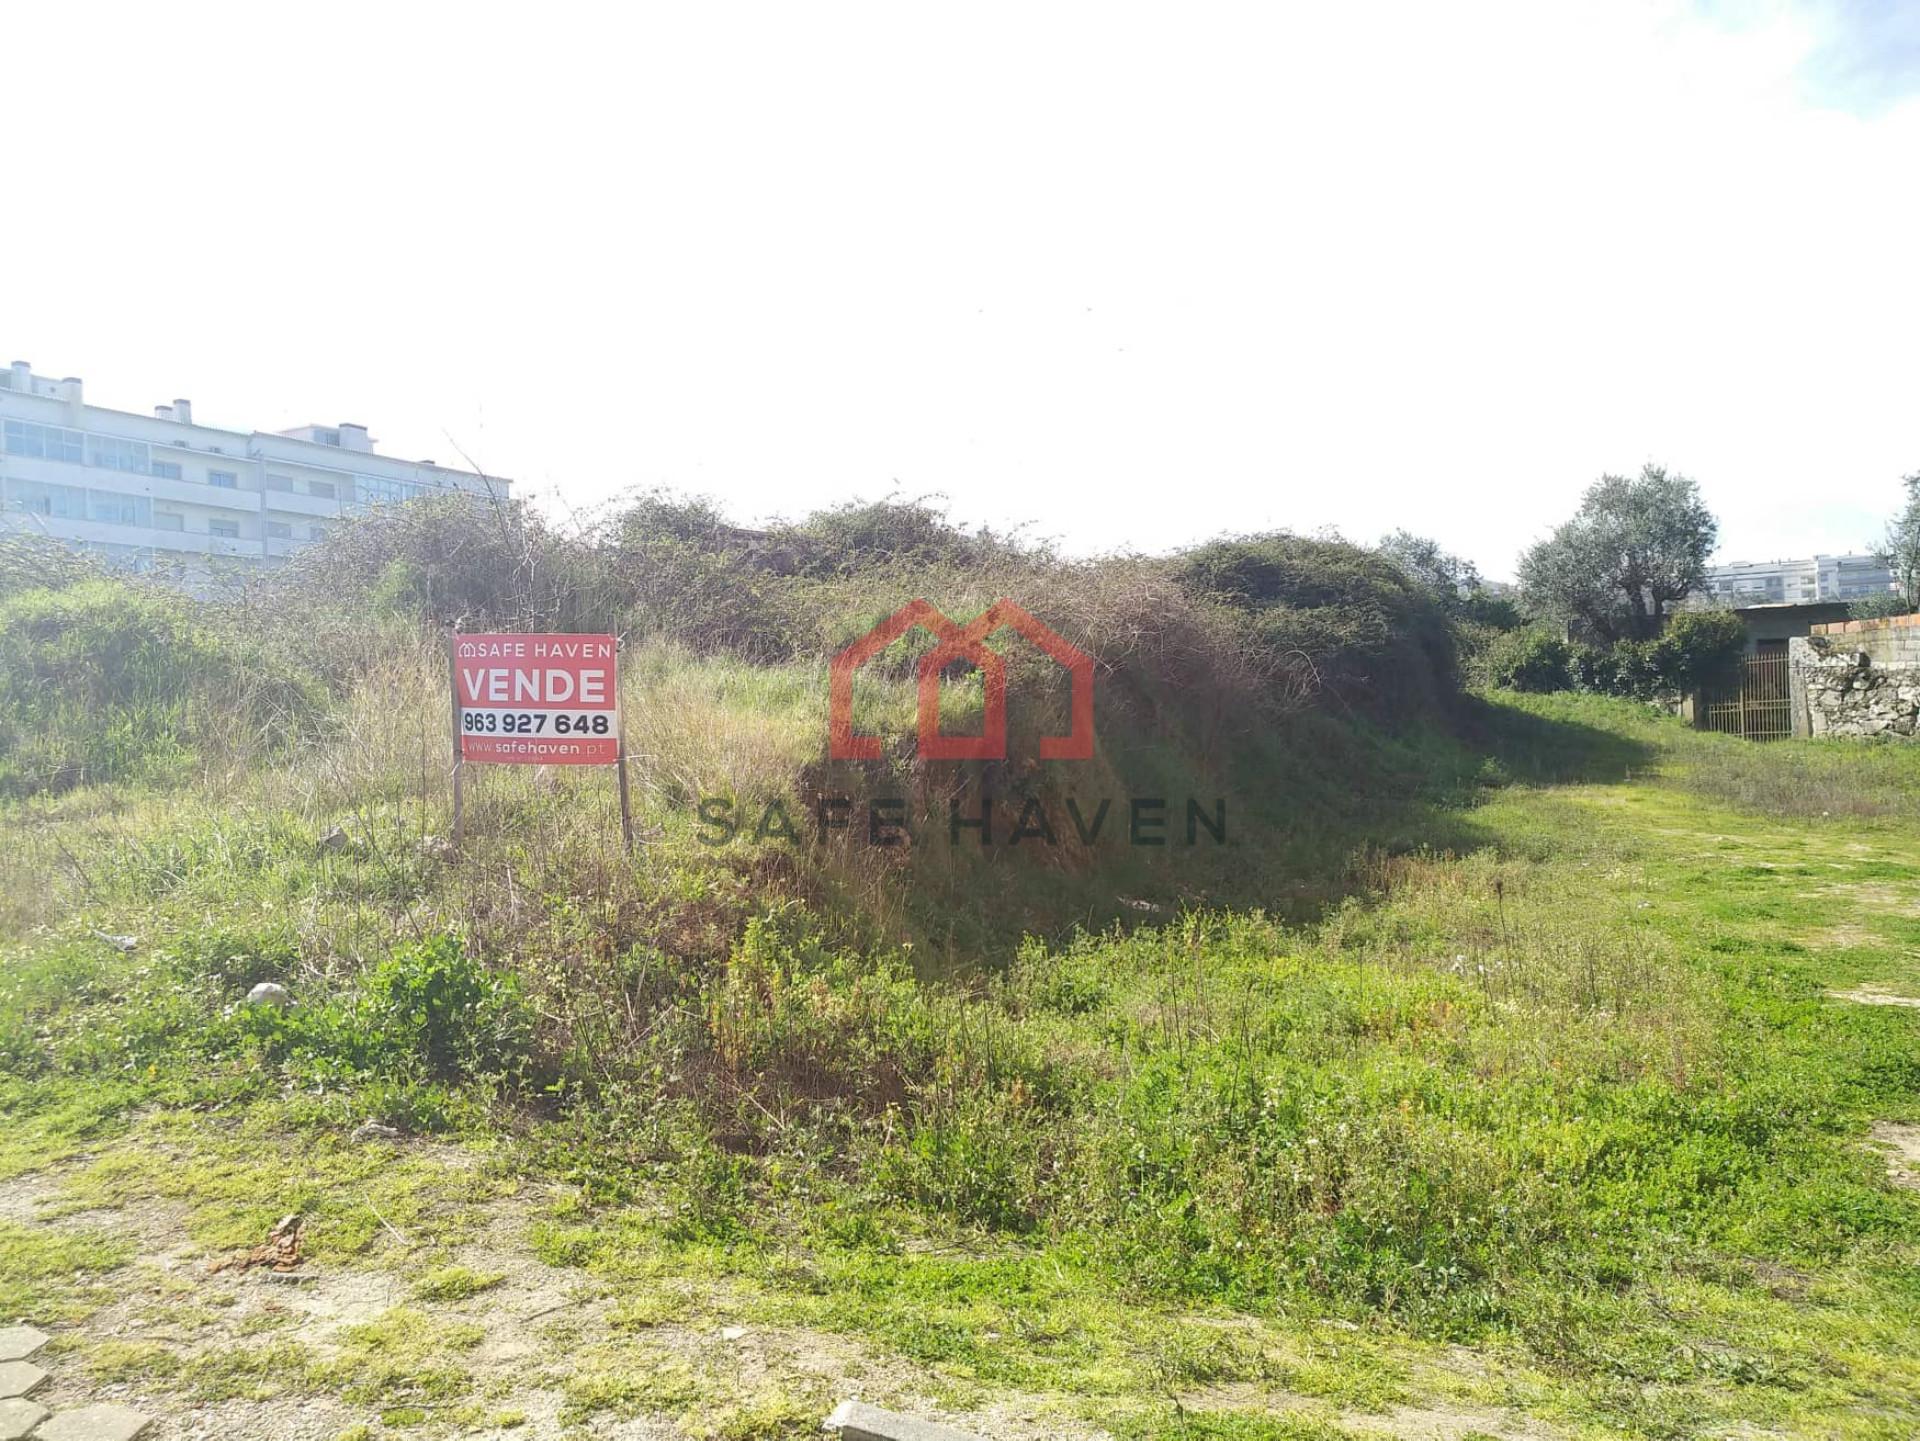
{"x": 453, "y": 558}
{"x": 1636, "y": 670}
{"x": 106, "y": 680}
{"x": 983, "y": 1159}
{"x": 1530, "y": 660}
{"x": 437, "y": 1003}
{"x": 684, "y": 572}
{"x": 866, "y": 535}
{"x": 1699, "y": 649}
{"x": 1592, "y": 669}
{"x": 37, "y": 562}
{"x": 1368, "y": 629}
{"x": 1495, "y": 612}
{"x": 1879, "y": 605}
{"x": 426, "y": 1011}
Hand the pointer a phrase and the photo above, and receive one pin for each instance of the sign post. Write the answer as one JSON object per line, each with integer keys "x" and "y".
{"x": 459, "y": 752}
{"x": 551, "y": 700}
{"x": 626, "y": 805}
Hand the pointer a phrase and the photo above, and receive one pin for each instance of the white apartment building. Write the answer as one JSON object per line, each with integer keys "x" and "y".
{"x": 161, "y": 491}
{"x": 1787, "y": 582}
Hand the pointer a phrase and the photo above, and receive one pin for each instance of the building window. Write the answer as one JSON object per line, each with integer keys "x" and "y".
{"x": 317, "y": 532}
{"x": 42, "y": 442}
{"x": 322, "y": 488}
{"x": 278, "y": 482}
{"x": 228, "y": 528}
{"x": 385, "y": 492}
{"x": 61, "y": 502}
{"x": 326, "y": 437}
{"x": 225, "y": 479}
{"x": 167, "y": 520}
{"x": 166, "y": 469}
{"x": 279, "y": 530}
{"x": 111, "y": 509}
{"x": 110, "y": 452}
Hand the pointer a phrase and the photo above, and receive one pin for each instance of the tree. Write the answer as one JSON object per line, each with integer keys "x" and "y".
{"x": 1901, "y": 553}
{"x": 1877, "y": 605}
{"x": 1448, "y": 576}
{"x": 1635, "y": 548}
{"x": 1454, "y": 581}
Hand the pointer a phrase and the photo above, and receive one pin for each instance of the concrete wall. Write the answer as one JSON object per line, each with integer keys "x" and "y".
{"x": 1784, "y": 622}
{"x": 1862, "y": 681}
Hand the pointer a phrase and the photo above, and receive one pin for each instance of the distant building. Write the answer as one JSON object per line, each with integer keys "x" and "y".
{"x": 1798, "y": 582}
{"x": 162, "y": 491}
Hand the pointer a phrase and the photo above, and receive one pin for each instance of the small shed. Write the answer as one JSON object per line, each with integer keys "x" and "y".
{"x": 1759, "y": 704}
{"x": 1770, "y": 627}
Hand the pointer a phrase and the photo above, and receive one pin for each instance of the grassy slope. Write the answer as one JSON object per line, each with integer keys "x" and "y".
{"x": 1570, "y": 1098}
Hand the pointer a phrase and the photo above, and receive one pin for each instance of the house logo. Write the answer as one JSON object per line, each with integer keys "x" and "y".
{"x": 960, "y": 642}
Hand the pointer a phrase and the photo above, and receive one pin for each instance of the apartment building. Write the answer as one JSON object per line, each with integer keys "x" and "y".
{"x": 163, "y": 491}
{"x": 1799, "y": 582}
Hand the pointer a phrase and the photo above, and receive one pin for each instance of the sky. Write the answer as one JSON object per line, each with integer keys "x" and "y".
{"x": 1131, "y": 276}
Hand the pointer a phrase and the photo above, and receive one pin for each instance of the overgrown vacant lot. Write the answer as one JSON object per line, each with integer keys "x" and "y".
{"x": 1518, "y": 1068}
{"x": 1586, "y": 1106}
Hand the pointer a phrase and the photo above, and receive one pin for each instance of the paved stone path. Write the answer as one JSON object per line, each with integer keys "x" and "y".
{"x": 21, "y": 1418}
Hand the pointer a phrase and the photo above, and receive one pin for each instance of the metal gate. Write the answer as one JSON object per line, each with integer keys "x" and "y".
{"x": 1760, "y": 707}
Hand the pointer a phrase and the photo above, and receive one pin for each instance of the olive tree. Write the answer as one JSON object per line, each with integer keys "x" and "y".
{"x": 1636, "y": 547}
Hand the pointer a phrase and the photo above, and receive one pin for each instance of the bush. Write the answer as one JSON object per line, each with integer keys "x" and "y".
{"x": 450, "y": 559}
{"x": 1592, "y": 669}
{"x": 37, "y": 562}
{"x": 426, "y": 1012}
{"x": 868, "y": 535}
{"x": 1530, "y": 660}
{"x": 684, "y": 572}
{"x": 1636, "y": 670}
{"x": 107, "y": 680}
{"x": 1699, "y": 650}
{"x": 1369, "y": 630}
{"x": 1879, "y": 606}
{"x": 1245, "y": 627}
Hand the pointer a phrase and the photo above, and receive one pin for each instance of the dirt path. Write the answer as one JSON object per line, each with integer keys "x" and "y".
{"x": 530, "y": 1351}
{"x": 491, "y": 1341}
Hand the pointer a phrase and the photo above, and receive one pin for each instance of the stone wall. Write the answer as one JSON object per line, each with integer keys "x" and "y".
{"x": 1863, "y": 681}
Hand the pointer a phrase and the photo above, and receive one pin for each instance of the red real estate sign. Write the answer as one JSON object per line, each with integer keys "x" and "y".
{"x": 538, "y": 699}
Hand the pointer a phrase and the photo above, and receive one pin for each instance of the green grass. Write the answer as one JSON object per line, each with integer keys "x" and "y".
{"x": 1532, "y": 1062}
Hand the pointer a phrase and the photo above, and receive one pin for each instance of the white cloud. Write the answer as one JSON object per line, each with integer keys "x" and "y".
{"x": 1137, "y": 274}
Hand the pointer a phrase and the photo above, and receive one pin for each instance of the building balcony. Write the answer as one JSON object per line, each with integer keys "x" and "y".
{"x": 99, "y": 532}
{"x": 289, "y": 502}
{"x": 119, "y": 482}
{"x": 189, "y": 492}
